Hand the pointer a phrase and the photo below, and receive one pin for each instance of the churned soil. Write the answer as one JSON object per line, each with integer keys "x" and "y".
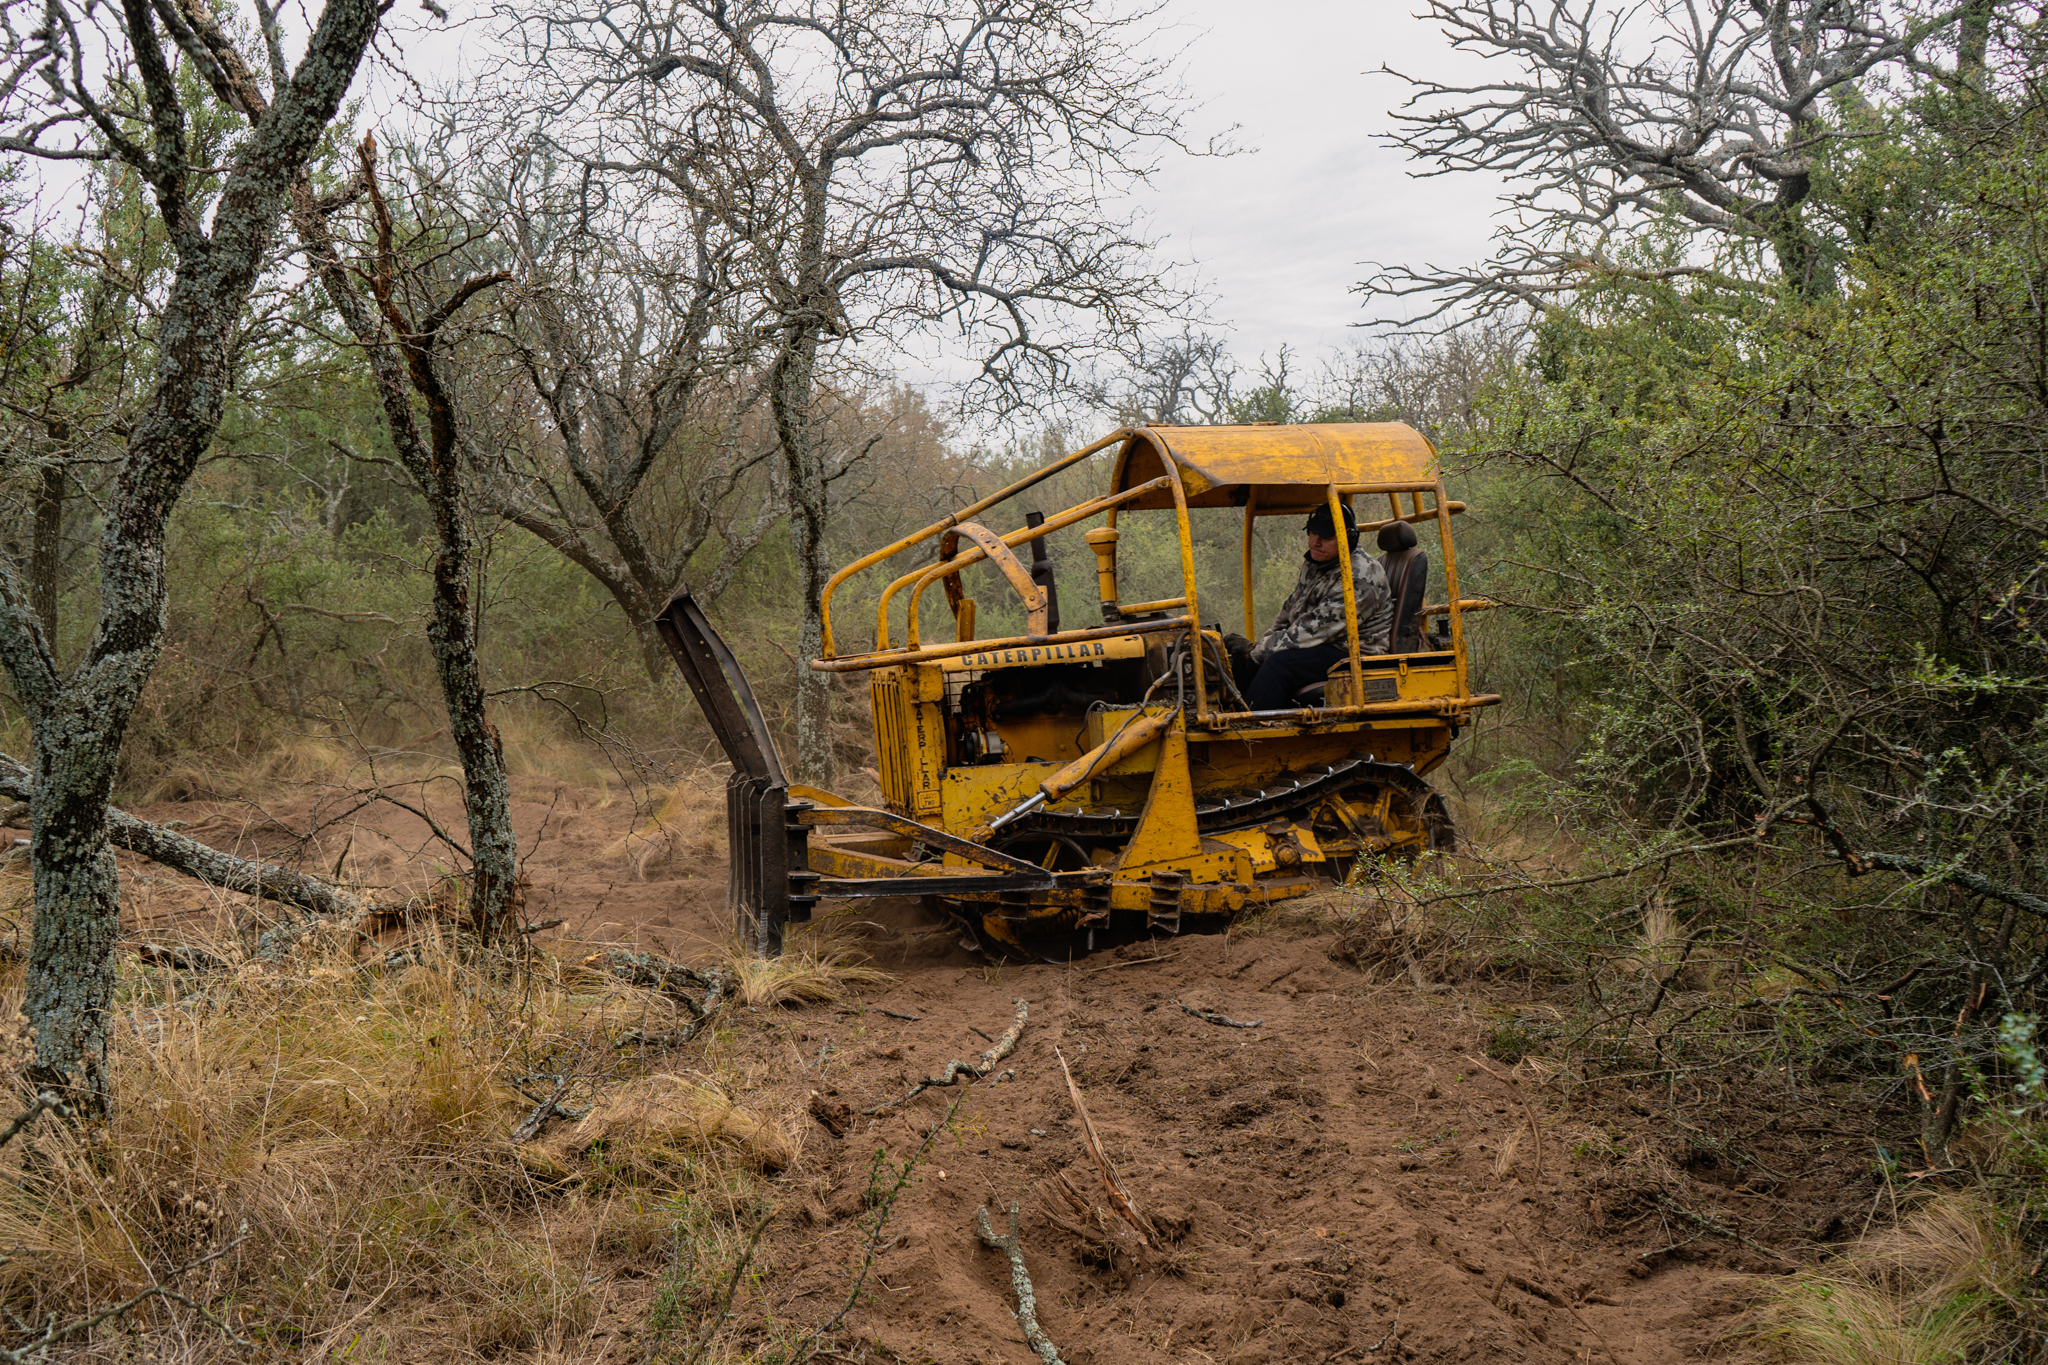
{"x": 1353, "y": 1179}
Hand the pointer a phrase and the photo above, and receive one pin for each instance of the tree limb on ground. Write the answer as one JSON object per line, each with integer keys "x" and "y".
{"x": 972, "y": 1071}
{"x": 45, "y": 1102}
{"x": 543, "y": 1110}
{"x": 1020, "y": 1280}
{"x": 673, "y": 980}
{"x": 1209, "y": 1016}
{"x": 203, "y": 862}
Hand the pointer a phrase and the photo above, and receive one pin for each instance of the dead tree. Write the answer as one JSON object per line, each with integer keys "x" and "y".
{"x": 626, "y": 332}
{"x": 1190, "y": 377}
{"x": 403, "y": 329}
{"x": 884, "y": 170}
{"x": 1710, "y": 116}
{"x": 135, "y": 112}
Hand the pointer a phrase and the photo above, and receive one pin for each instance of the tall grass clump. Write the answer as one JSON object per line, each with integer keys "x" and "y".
{"x": 1946, "y": 1284}
{"x": 322, "y": 1152}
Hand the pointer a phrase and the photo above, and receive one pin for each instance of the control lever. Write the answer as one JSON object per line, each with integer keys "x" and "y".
{"x": 1042, "y": 574}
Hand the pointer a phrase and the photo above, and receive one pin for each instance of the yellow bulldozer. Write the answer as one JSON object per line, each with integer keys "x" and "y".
{"x": 1059, "y": 789}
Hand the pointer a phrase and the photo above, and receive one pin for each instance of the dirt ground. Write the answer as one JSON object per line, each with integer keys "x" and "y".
{"x": 1351, "y": 1180}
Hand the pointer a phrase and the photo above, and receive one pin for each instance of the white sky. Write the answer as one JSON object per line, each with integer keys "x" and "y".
{"x": 1280, "y": 233}
{"x": 1283, "y": 232}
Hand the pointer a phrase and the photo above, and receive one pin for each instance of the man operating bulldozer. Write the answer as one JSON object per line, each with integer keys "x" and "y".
{"x": 1307, "y": 638}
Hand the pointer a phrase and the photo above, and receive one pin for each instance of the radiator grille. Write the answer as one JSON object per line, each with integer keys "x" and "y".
{"x": 892, "y": 745}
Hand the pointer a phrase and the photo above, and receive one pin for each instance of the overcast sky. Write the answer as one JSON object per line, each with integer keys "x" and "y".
{"x": 1281, "y": 232}
{"x": 1284, "y": 231}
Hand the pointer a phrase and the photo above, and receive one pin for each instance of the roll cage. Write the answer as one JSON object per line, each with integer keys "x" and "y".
{"x": 1267, "y": 470}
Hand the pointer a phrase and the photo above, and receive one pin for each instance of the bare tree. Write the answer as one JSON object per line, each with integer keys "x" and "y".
{"x": 1187, "y": 378}
{"x": 135, "y": 110}
{"x": 885, "y": 169}
{"x": 648, "y": 446}
{"x": 1435, "y": 384}
{"x": 403, "y": 326}
{"x": 1708, "y": 115}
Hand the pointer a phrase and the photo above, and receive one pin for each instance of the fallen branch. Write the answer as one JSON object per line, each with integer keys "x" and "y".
{"x": 672, "y": 979}
{"x": 1020, "y": 1281}
{"x": 45, "y": 1101}
{"x": 1119, "y": 1197}
{"x": 1209, "y": 1016}
{"x": 36, "y": 1351}
{"x": 530, "y": 1126}
{"x": 1706, "y": 1224}
{"x": 181, "y": 957}
{"x": 1385, "y": 1336}
{"x": 203, "y": 862}
{"x": 969, "y": 1070}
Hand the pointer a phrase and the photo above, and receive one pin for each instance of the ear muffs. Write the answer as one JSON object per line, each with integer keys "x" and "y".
{"x": 1319, "y": 524}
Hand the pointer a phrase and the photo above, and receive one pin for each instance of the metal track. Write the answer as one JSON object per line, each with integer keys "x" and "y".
{"x": 1294, "y": 795}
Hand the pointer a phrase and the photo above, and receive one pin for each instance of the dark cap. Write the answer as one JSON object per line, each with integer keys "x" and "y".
{"x": 1319, "y": 524}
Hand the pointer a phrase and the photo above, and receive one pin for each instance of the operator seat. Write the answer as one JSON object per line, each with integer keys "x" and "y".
{"x": 1407, "y": 570}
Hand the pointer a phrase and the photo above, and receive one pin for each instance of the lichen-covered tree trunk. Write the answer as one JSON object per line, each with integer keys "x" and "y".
{"x": 451, "y": 631}
{"x": 791, "y": 399}
{"x": 78, "y": 906}
{"x": 46, "y": 555}
{"x": 400, "y": 368}
{"x": 78, "y": 720}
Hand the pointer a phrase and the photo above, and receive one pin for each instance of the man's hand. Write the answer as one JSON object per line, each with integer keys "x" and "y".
{"x": 1237, "y": 644}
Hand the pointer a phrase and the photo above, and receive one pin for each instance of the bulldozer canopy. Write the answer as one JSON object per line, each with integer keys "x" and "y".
{"x": 1290, "y": 467}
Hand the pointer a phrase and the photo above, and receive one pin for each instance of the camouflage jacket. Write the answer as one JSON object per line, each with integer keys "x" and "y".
{"x": 1314, "y": 612}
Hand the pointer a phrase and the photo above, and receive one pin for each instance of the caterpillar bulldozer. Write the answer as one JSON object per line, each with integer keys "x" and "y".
{"x": 1058, "y": 789}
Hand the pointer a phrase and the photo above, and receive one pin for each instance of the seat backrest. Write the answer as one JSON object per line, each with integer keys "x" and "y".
{"x": 1407, "y": 570}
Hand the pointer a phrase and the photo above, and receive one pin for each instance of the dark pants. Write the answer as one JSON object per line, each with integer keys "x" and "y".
{"x": 1287, "y": 671}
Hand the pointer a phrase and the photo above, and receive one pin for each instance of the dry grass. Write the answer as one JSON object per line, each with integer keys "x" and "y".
{"x": 538, "y": 745}
{"x": 1659, "y": 945}
{"x": 344, "y": 1133}
{"x": 1932, "y": 1289}
{"x": 821, "y": 962}
{"x": 651, "y": 1126}
{"x": 690, "y": 822}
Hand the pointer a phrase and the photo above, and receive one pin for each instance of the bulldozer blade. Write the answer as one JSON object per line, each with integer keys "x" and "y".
{"x": 770, "y": 883}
